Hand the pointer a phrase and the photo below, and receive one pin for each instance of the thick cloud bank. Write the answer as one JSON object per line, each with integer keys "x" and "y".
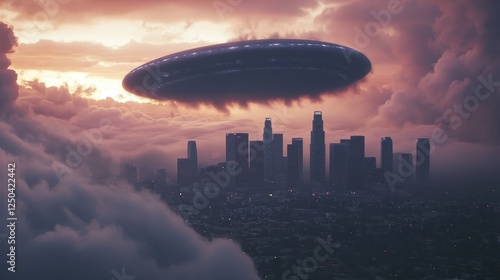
{"x": 8, "y": 77}
{"x": 76, "y": 220}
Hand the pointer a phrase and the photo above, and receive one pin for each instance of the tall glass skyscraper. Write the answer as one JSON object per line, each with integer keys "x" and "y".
{"x": 403, "y": 167}
{"x": 237, "y": 151}
{"x": 292, "y": 156}
{"x": 192, "y": 153}
{"x": 268, "y": 151}
{"x": 256, "y": 162}
{"x": 423, "y": 160}
{"x": 278, "y": 165}
{"x": 339, "y": 165}
{"x": 386, "y": 154}
{"x": 299, "y": 142}
{"x": 317, "y": 152}
{"x": 129, "y": 173}
{"x": 186, "y": 172}
{"x": 356, "y": 175}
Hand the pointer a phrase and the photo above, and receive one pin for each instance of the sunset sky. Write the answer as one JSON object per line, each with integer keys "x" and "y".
{"x": 435, "y": 67}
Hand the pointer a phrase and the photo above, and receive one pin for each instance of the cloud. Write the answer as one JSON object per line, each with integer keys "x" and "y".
{"x": 461, "y": 51}
{"x": 60, "y": 11}
{"x": 8, "y": 85}
{"x": 91, "y": 220}
{"x": 92, "y": 229}
{"x": 92, "y": 223}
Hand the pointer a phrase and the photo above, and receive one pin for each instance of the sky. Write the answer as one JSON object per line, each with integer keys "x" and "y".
{"x": 69, "y": 125}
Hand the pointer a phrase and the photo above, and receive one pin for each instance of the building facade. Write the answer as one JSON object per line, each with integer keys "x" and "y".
{"x": 317, "y": 149}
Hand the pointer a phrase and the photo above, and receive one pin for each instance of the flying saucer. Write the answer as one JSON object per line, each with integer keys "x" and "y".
{"x": 256, "y": 70}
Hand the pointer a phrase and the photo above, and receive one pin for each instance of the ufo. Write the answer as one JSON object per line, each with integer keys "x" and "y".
{"x": 257, "y": 70}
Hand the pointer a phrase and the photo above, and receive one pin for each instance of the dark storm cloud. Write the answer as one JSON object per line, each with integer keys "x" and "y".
{"x": 8, "y": 85}
{"x": 91, "y": 230}
{"x": 444, "y": 51}
{"x": 91, "y": 223}
{"x": 256, "y": 71}
{"x": 444, "y": 61}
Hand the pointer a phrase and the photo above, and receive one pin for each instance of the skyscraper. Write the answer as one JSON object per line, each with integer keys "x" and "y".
{"x": 256, "y": 162}
{"x": 386, "y": 161}
{"x": 317, "y": 149}
{"x": 268, "y": 151}
{"x": 160, "y": 182}
{"x": 161, "y": 176}
{"x": 423, "y": 160}
{"x": 237, "y": 152}
{"x": 339, "y": 165}
{"x": 370, "y": 167}
{"x": 292, "y": 155}
{"x": 356, "y": 162}
{"x": 299, "y": 142}
{"x": 279, "y": 162}
{"x": 186, "y": 172}
{"x": 403, "y": 166}
{"x": 192, "y": 152}
{"x": 129, "y": 173}
{"x": 345, "y": 141}
{"x": 146, "y": 173}
{"x": 278, "y": 165}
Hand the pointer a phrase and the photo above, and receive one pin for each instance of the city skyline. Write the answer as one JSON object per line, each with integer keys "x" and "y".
{"x": 348, "y": 154}
{"x": 254, "y": 152}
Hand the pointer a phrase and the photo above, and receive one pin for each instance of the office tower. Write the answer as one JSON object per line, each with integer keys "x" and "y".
{"x": 317, "y": 149}
{"x": 299, "y": 142}
{"x": 186, "y": 172}
{"x": 192, "y": 152}
{"x": 356, "y": 162}
{"x": 345, "y": 141}
{"x": 278, "y": 165}
{"x": 403, "y": 166}
{"x": 279, "y": 162}
{"x": 237, "y": 153}
{"x": 160, "y": 180}
{"x": 293, "y": 163}
{"x": 339, "y": 165}
{"x": 423, "y": 160}
{"x": 268, "y": 151}
{"x": 370, "y": 168}
{"x": 280, "y": 179}
{"x": 146, "y": 173}
{"x": 256, "y": 162}
{"x": 129, "y": 173}
{"x": 161, "y": 176}
{"x": 386, "y": 161}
